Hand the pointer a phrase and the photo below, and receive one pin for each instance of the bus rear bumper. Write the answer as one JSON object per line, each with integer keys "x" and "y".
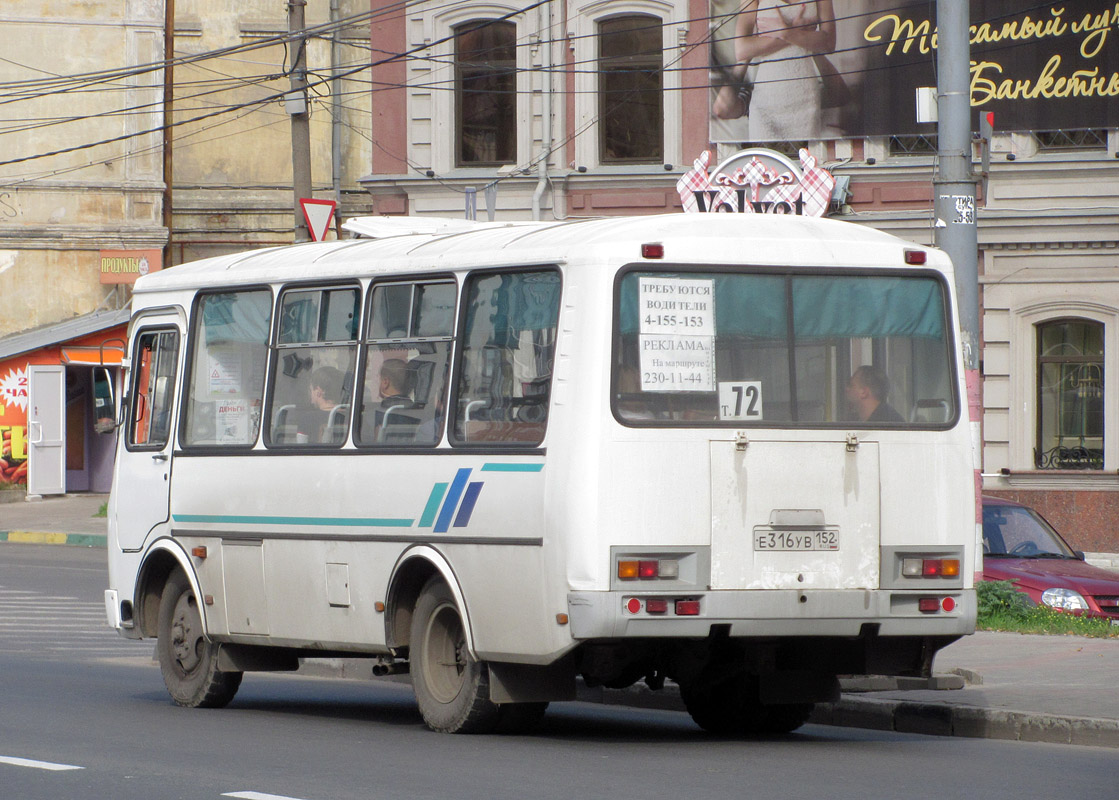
{"x": 771, "y": 613}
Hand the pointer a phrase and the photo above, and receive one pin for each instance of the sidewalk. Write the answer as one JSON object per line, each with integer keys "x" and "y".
{"x": 1056, "y": 689}
{"x": 55, "y": 519}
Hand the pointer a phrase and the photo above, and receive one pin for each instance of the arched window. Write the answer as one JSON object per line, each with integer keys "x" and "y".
{"x": 1070, "y": 407}
{"x": 631, "y": 97}
{"x": 485, "y": 93}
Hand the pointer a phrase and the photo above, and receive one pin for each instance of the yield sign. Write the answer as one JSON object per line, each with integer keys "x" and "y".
{"x": 318, "y": 214}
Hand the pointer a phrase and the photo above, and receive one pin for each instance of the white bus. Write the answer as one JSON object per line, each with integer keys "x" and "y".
{"x": 731, "y": 451}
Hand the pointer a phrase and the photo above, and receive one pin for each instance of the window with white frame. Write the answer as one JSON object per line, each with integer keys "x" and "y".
{"x": 628, "y": 110}
{"x": 631, "y": 92}
{"x": 485, "y": 93}
{"x": 1070, "y": 394}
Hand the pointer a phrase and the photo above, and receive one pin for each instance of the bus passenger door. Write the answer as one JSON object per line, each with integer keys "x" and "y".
{"x": 144, "y": 460}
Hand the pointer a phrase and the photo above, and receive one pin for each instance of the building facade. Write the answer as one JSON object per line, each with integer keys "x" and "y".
{"x": 95, "y": 190}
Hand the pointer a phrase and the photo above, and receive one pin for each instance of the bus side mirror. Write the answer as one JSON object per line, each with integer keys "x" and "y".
{"x": 104, "y": 404}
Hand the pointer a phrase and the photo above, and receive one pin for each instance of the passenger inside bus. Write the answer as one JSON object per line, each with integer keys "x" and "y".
{"x": 313, "y": 421}
{"x": 396, "y": 383}
{"x": 867, "y": 391}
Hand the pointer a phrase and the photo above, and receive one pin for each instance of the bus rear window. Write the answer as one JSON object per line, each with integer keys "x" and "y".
{"x": 783, "y": 349}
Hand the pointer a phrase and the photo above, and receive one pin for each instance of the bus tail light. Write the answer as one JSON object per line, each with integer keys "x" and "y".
{"x": 915, "y": 257}
{"x": 649, "y": 569}
{"x": 652, "y": 250}
{"x": 930, "y": 567}
{"x": 928, "y": 605}
{"x": 656, "y": 605}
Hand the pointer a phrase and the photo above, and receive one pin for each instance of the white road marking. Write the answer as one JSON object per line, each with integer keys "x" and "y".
{"x": 258, "y": 796}
{"x": 27, "y": 762}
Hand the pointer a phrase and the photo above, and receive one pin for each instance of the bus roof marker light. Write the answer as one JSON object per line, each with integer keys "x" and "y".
{"x": 915, "y": 258}
{"x": 652, "y": 250}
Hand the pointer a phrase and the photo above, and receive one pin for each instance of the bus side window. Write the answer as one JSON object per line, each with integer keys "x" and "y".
{"x": 229, "y": 335}
{"x": 407, "y": 360}
{"x": 316, "y": 354}
{"x": 508, "y": 347}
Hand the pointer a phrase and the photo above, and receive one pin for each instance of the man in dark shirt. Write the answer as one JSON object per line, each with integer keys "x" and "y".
{"x": 867, "y": 390}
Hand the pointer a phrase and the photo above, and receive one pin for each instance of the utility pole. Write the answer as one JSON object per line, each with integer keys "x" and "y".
{"x": 954, "y": 204}
{"x": 297, "y": 107}
{"x": 168, "y": 123}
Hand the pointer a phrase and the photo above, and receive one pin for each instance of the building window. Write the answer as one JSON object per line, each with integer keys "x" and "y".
{"x": 485, "y": 94}
{"x": 1057, "y": 141}
{"x": 1070, "y": 395}
{"x": 631, "y": 100}
{"x": 917, "y": 145}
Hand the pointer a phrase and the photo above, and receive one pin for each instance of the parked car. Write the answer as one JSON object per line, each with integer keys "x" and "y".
{"x": 1020, "y": 546}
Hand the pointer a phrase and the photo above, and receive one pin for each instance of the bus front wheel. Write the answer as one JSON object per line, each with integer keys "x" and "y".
{"x": 187, "y": 659}
{"x": 452, "y": 689}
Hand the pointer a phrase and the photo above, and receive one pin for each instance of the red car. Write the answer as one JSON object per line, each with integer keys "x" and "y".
{"x": 1020, "y": 546}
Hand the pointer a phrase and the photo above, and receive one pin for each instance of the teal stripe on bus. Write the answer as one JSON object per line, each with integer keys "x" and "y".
{"x": 506, "y": 467}
{"x": 335, "y": 522}
{"x": 433, "y": 501}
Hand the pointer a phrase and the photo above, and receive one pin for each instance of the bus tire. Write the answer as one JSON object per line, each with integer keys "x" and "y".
{"x": 727, "y": 708}
{"x": 452, "y": 689}
{"x": 187, "y": 659}
{"x": 520, "y": 717}
{"x": 785, "y": 718}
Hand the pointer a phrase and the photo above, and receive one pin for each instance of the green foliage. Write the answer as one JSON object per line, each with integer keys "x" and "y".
{"x": 1000, "y": 598}
{"x": 103, "y": 511}
{"x": 1001, "y": 607}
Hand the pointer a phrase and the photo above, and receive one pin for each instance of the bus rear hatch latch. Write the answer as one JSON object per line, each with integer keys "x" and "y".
{"x": 740, "y": 441}
{"x": 852, "y": 442}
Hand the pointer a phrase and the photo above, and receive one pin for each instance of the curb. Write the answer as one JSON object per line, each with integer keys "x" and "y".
{"x": 850, "y": 711}
{"x": 43, "y": 537}
{"x": 946, "y": 719}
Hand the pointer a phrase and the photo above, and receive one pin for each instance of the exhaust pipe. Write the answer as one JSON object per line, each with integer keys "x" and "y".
{"x": 383, "y": 668}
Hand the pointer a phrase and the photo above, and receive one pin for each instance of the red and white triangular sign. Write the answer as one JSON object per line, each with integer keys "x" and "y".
{"x": 318, "y": 214}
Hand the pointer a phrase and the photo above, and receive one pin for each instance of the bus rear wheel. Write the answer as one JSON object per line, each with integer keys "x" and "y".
{"x": 452, "y": 689}
{"x": 187, "y": 659}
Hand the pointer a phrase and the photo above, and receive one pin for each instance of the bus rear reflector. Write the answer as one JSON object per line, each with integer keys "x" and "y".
{"x": 687, "y": 608}
{"x": 656, "y": 606}
{"x": 915, "y": 257}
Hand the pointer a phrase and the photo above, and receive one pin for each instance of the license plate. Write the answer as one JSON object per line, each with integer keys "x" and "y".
{"x": 785, "y": 541}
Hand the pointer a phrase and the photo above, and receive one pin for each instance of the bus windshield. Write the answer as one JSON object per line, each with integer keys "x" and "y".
{"x": 788, "y": 349}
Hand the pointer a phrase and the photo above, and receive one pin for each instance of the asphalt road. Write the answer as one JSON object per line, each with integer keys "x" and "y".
{"x": 72, "y": 694}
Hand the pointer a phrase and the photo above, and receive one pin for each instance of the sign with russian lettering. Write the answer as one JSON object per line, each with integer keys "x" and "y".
{"x": 821, "y": 69}
{"x": 757, "y": 181}
{"x": 125, "y": 266}
{"x": 677, "y": 334}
